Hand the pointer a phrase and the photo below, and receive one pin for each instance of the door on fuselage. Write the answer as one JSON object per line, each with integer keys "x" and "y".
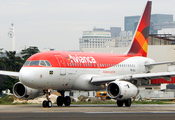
{"x": 62, "y": 64}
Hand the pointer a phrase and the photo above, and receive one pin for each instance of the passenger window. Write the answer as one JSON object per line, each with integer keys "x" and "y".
{"x": 34, "y": 63}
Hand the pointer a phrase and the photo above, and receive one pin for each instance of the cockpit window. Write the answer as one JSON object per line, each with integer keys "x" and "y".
{"x": 27, "y": 63}
{"x": 37, "y": 62}
{"x": 42, "y": 63}
{"x": 34, "y": 63}
{"x": 48, "y": 63}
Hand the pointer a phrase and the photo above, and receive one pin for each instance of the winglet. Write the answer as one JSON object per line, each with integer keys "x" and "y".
{"x": 139, "y": 44}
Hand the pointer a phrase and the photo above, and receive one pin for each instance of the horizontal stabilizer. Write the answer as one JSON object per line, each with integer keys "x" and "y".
{"x": 160, "y": 63}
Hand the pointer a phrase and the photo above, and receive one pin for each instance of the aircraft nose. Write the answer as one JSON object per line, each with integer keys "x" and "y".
{"x": 26, "y": 76}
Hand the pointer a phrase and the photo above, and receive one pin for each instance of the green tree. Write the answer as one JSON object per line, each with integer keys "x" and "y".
{"x": 12, "y": 63}
{"x": 1, "y": 51}
{"x": 2, "y": 67}
{"x": 29, "y": 51}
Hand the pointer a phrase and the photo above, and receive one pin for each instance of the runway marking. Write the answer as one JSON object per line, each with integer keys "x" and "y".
{"x": 47, "y": 109}
{"x": 50, "y": 110}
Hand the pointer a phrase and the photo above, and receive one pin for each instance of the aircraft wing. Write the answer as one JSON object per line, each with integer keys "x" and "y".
{"x": 10, "y": 73}
{"x": 166, "y": 75}
{"x": 99, "y": 80}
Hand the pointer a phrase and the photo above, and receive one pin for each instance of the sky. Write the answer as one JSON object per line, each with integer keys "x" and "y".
{"x": 58, "y": 24}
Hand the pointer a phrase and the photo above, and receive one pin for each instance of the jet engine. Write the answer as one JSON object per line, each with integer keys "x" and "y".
{"x": 121, "y": 90}
{"x": 23, "y": 92}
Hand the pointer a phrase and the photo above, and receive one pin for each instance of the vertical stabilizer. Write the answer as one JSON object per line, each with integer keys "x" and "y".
{"x": 139, "y": 44}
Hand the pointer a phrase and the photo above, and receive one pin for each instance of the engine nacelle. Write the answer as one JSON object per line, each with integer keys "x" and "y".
{"x": 121, "y": 90}
{"x": 23, "y": 92}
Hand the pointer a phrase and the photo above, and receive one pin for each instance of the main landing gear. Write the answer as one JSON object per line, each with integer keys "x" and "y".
{"x": 127, "y": 102}
{"x": 63, "y": 100}
{"x": 60, "y": 99}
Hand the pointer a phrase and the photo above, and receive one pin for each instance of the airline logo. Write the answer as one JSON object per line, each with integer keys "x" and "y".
{"x": 140, "y": 44}
{"x": 81, "y": 59}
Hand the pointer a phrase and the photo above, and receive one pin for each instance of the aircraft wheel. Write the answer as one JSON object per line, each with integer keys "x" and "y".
{"x": 128, "y": 102}
{"x": 120, "y": 103}
{"x": 67, "y": 101}
{"x": 60, "y": 100}
{"x": 49, "y": 103}
{"x": 44, "y": 103}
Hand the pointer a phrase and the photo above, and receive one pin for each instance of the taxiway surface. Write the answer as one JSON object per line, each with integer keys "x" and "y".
{"x": 100, "y": 112}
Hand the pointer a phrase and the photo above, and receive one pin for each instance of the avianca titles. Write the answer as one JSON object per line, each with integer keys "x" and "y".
{"x": 66, "y": 71}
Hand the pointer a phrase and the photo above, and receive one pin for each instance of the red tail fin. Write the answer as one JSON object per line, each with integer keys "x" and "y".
{"x": 139, "y": 43}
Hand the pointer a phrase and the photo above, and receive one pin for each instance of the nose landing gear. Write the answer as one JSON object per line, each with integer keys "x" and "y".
{"x": 60, "y": 99}
{"x": 47, "y": 103}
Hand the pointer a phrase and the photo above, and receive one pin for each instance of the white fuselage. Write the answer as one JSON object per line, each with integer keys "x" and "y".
{"x": 59, "y": 78}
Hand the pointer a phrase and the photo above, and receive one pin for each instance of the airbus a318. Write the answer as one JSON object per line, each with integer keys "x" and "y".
{"x": 66, "y": 71}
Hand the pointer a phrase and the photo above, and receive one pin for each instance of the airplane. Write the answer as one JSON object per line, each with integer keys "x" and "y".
{"x": 65, "y": 71}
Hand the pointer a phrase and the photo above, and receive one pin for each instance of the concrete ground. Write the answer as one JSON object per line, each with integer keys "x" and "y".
{"x": 101, "y": 112}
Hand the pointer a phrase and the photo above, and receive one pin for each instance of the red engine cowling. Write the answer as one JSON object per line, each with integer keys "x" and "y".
{"x": 23, "y": 92}
{"x": 121, "y": 90}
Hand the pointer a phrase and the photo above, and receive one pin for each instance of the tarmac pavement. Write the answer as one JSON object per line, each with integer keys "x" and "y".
{"x": 96, "y": 112}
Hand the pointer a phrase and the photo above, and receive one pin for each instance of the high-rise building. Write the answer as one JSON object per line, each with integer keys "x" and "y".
{"x": 115, "y": 31}
{"x": 158, "y": 21}
{"x": 130, "y": 22}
